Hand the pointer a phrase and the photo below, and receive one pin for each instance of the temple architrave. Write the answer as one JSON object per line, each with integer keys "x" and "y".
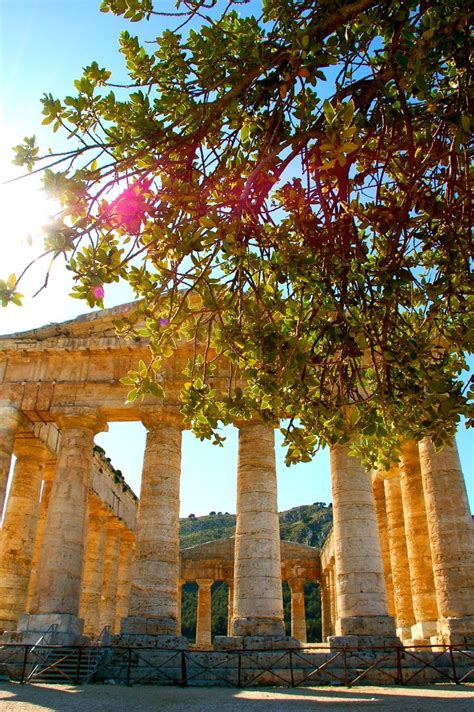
{"x": 79, "y": 552}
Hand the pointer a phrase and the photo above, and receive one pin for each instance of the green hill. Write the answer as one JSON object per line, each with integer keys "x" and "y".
{"x": 307, "y": 524}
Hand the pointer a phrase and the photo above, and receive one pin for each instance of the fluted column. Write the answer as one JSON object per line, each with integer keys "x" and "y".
{"x": 360, "y": 585}
{"x": 333, "y": 596}
{"x": 258, "y": 603}
{"x": 10, "y": 418}
{"x": 420, "y": 564}
{"x": 204, "y": 613}
{"x": 153, "y": 608}
{"x": 381, "y": 516}
{"x": 108, "y": 601}
{"x": 93, "y": 572}
{"x": 48, "y": 475}
{"x": 17, "y": 536}
{"x": 326, "y": 628}
{"x": 398, "y": 555}
{"x": 450, "y": 529}
{"x": 56, "y": 597}
{"x": 298, "y": 613}
{"x": 230, "y": 605}
{"x": 124, "y": 576}
{"x": 180, "y": 603}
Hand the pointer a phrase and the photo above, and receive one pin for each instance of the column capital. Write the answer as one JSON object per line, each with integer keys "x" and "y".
{"x": 240, "y": 423}
{"x": 31, "y": 447}
{"x": 392, "y": 473}
{"x": 204, "y": 582}
{"x": 87, "y": 418}
{"x": 155, "y": 418}
{"x": 296, "y": 584}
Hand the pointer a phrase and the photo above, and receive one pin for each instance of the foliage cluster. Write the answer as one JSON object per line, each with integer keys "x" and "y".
{"x": 287, "y": 183}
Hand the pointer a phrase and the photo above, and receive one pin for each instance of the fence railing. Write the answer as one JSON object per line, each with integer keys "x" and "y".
{"x": 292, "y": 667}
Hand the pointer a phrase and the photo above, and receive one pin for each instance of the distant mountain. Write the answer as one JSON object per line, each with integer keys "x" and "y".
{"x": 306, "y": 524}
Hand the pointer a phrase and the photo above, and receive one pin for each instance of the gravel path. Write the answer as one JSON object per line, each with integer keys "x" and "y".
{"x": 104, "y": 698}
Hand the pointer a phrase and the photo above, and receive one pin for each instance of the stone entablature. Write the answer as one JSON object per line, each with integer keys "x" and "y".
{"x": 215, "y": 560}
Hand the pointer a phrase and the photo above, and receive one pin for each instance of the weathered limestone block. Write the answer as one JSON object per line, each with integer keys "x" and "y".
{"x": 204, "y": 613}
{"x": 405, "y": 616}
{"x": 420, "y": 563}
{"x": 258, "y": 604}
{"x": 326, "y": 627}
{"x": 153, "y": 605}
{"x": 298, "y": 613}
{"x": 450, "y": 530}
{"x": 360, "y": 585}
{"x": 58, "y": 580}
{"x": 93, "y": 571}
{"x": 381, "y": 515}
{"x": 10, "y": 418}
{"x": 17, "y": 536}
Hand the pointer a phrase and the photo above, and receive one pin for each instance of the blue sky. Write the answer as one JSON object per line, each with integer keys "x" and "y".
{"x": 44, "y": 44}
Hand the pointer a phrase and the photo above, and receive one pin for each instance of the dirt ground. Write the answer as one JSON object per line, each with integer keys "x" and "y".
{"x": 102, "y": 698}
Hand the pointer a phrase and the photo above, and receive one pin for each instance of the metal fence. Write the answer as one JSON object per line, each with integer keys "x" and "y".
{"x": 292, "y": 667}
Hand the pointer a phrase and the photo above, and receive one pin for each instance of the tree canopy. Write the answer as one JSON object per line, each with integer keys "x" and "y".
{"x": 286, "y": 182}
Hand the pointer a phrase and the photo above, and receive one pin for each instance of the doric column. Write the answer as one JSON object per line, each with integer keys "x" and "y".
{"x": 17, "y": 536}
{"x": 298, "y": 613}
{"x": 398, "y": 555}
{"x": 10, "y": 418}
{"x": 360, "y": 585}
{"x": 124, "y": 576}
{"x": 204, "y": 611}
{"x": 450, "y": 529}
{"x": 108, "y": 601}
{"x": 48, "y": 475}
{"x": 333, "y": 596}
{"x": 153, "y": 608}
{"x": 56, "y": 597}
{"x": 258, "y": 603}
{"x": 180, "y": 603}
{"x": 381, "y": 516}
{"x": 326, "y": 629}
{"x": 93, "y": 572}
{"x": 230, "y": 605}
{"x": 420, "y": 563}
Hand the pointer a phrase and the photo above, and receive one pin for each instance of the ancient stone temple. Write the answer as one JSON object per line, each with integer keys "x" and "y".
{"x": 79, "y": 552}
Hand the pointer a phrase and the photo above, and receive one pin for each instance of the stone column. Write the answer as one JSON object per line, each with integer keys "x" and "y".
{"x": 398, "y": 555}
{"x": 153, "y": 608}
{"x": 381, "y": 516}
{"x": 204, "y": 611}
{"x": 258, "y": 603}
{"x": 180, "y": 603}
{"x": 298, "y": 613}
{"x": 10, "y": 418}
{"x": 326, "y": 629}
{"x": 333, "y": 596}
{"x": 108, "y": 601}
{"x": 452, "y": 550}
{"x": 360, "y": 585}
{"x": 93, "y": 572}
{"x": 56, "y": 597}
{"x": 230, "y": 606}
{"x": 48, "y": 475}
{"x": 420, "y": 564}
{"x": 124, "y": 576}
{"x": 17, "y": 536}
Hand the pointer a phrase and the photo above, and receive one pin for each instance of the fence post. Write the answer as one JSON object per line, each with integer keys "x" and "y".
{"x": 184, "y": 673}
{"x": 291, "y": 669}
{"x": 78, "y": 668}
{"x": 23, "y": 669}
{"x": 346, "y": 681}
{"x": 239, "y": 664}
{"x": 129, "y": 661}
{"x": 399, "y": 667}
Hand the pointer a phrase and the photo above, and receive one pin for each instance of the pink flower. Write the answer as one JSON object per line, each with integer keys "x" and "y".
{"x": 163, "y": 321}
{"x": 98, "y": 292}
